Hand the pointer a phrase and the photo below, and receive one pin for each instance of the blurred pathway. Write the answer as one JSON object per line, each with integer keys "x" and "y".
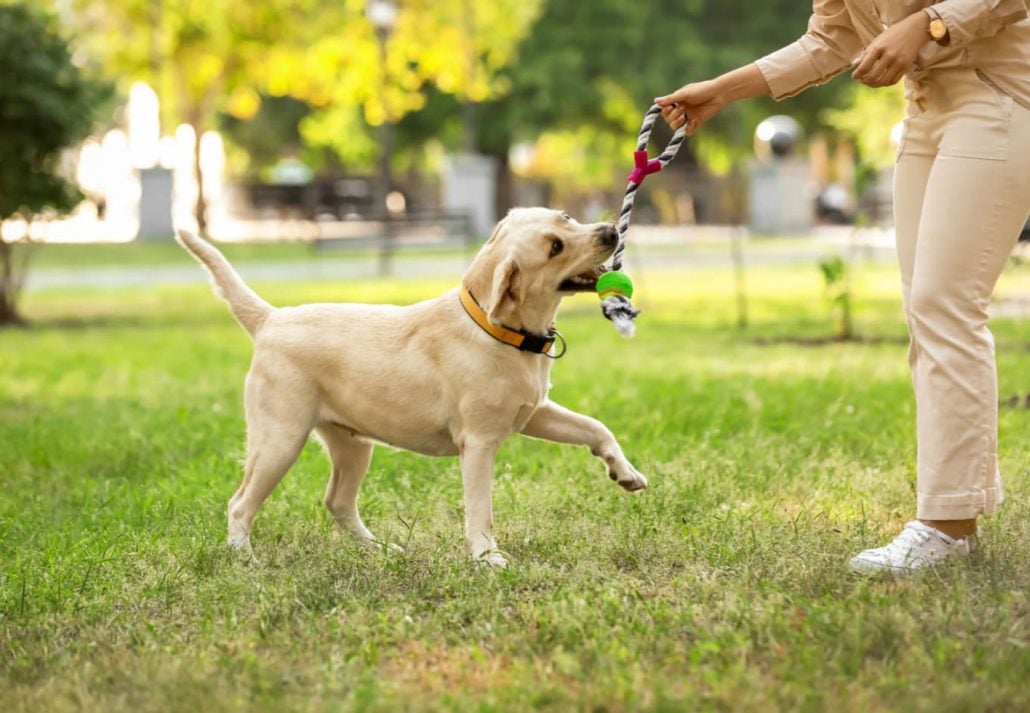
{"x": 651, "y": 253}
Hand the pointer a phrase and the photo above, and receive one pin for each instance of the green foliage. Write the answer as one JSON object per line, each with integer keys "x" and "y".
{"x": 549, "y": 69}
{"x": 454, "y": 48}
{"x": 867, "y": 117}
{"x": 590, "y": 70}
{"x": 47, "y": 104}
{"x": 836, "y": 277}
{"x": 257, "y": 142}
{"x": 722, "y": 587}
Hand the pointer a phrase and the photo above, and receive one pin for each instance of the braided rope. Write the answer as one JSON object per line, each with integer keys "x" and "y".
{"x": 618, "y": 308}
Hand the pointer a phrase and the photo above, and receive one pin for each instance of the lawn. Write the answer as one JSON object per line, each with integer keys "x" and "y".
{"x": 723, "y": 586}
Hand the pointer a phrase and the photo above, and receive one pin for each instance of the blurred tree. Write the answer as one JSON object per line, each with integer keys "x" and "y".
{"x": 201, "y": 56}
{"x": 47, "y": 104}
{"x": 209, "y": 56}
{"x": 586, "y": 73}
{"x": 256, "y": 143}
{"x": 438, "y": 49}
{"x": 459, "y": 74}
{"x": 868, "y": 118}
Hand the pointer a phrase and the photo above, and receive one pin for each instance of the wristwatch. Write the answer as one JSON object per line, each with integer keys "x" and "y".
{"x": 938, "y": 30}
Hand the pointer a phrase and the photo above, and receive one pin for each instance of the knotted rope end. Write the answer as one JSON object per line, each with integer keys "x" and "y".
{"x": 620, "y": 311}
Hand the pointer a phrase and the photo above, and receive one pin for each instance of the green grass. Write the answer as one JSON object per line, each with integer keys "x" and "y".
{"x": 155, "y": 252}
{"x": 165, "y": 251}
{"x": 721, "y": 587}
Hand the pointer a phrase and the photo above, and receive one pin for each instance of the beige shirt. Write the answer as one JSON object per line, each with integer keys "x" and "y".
{"x": 992, "y": 36}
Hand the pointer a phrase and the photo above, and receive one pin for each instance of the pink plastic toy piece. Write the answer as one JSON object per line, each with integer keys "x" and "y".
{"x": 644, "y": 167}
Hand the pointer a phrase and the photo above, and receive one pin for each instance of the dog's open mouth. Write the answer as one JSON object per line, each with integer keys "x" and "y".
{"x": 584, "y": 281}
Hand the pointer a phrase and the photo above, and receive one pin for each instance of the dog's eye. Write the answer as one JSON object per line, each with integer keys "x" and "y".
{"x": 556, "y": 247}
{"x": 566, "y": 217}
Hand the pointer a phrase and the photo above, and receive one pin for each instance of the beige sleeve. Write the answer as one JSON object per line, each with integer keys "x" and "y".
{"x": 823, "y": 52}
{"x": 969, "y": 19}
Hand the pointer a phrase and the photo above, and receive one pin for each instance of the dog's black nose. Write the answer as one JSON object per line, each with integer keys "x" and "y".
{"x": 609, "y": 235}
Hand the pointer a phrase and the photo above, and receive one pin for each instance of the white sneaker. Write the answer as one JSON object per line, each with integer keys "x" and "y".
{"x": 916, "y": 547}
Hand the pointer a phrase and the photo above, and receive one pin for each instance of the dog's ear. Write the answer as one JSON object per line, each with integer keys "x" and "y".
{"x": 507, "y": 292}
{"x": 496, "y": 234}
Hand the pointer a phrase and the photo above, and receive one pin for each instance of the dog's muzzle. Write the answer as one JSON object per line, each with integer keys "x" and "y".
{"x": 609, "y": 236}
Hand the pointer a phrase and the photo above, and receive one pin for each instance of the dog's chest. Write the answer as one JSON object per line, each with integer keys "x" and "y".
{"x": 523, "y": 415}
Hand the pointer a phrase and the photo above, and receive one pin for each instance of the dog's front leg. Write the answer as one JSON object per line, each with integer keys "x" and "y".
{"x": 557, "y": 423}
{"x": 477, "y": 475}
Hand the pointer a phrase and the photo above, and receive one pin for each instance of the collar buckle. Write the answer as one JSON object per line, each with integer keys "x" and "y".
{"x": 557, "y": 336}
{"x": 536, "y": 343}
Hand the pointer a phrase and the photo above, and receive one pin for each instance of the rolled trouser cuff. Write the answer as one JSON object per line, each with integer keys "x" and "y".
{"x": 959, "y": 506}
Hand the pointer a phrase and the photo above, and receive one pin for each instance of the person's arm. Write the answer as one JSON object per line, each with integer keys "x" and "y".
{"x": 694, "y": 104}
{"x": 824, "y": 51}
{"x": 827, "y": 48}
{"x": 968, "y": 20}
{"x": 893, "y": 52}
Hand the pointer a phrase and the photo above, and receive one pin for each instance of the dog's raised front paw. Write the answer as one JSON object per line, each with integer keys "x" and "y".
{"x": 629, "y": 479}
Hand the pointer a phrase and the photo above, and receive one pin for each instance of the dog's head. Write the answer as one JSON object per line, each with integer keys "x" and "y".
{"x": 535, "y": 257}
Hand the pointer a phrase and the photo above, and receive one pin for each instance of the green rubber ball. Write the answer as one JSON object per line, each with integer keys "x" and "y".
{"x": 614, "y": 282}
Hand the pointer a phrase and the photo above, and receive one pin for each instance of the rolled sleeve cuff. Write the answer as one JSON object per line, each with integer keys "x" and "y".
{"x": 798, "y": 66}
{"x": 787, "y": 71}
{"x": 967, "y": 20}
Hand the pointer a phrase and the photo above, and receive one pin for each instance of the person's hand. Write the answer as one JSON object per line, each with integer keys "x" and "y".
{"x": 893, "y": 52}
{"x": 692, "y": 105}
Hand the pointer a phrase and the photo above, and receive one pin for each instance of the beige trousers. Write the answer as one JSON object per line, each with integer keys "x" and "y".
{"x": 961, "y": 195}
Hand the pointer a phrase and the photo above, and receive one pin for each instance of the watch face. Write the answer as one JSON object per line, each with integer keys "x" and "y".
{"x": 938, "y": 29}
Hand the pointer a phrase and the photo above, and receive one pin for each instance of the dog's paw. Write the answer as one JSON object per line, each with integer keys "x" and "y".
{"x": 628, "y": 478}
{"x": 240, "y": 549}
{"x": 492, "y": 559}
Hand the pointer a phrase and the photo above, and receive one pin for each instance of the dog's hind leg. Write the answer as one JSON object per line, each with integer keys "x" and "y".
{"x": 556, "y": 423}
{"x": 350, "y": 457}
{"x": 278, "y": 424}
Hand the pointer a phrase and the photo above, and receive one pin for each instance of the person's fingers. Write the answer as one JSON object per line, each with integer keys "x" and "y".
{"x": 867, "y": 62}
{"x": 896, "y": 76}
{"x": 885, "y": 74}
{"x": 683, "y": 95}
{"x": 669, "y": 100}
{"x": 872, "y": 77}
{"x": 675, "y": 116}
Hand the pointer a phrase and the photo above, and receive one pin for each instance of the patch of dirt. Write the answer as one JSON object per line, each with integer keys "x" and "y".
{"x": 439, "y": 669}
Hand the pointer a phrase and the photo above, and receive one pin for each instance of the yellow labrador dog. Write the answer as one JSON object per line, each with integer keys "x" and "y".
{"x": 454, "y": 375}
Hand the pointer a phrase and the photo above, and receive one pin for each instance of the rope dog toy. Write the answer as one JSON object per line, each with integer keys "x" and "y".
{"x": 614, "y": 287}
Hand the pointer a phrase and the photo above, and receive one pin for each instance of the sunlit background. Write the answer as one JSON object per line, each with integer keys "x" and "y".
{"x": 314, "y": 114}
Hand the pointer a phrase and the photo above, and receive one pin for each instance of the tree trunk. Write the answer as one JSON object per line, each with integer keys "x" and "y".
{"x": 10, "y": 286}
{"x": 504, "y": 198}
{"x": 198, "y": 175}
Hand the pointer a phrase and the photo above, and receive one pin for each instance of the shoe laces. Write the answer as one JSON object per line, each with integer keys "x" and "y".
{"x": 913, "y": 537}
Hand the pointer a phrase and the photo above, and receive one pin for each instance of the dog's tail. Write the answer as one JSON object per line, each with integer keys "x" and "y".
{"x": 249, "y": 310}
